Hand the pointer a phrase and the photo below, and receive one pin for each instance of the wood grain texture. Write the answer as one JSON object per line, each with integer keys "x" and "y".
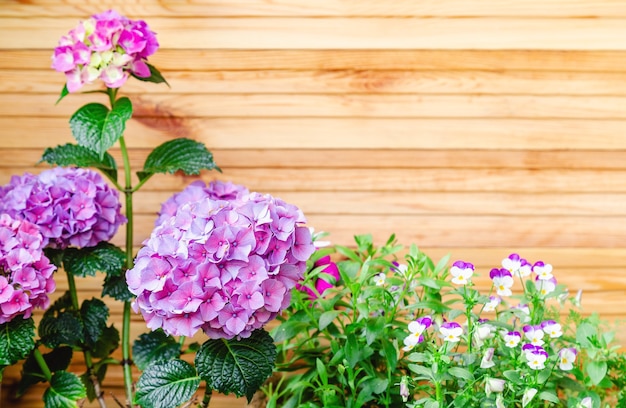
{"x": 475, "y": 129}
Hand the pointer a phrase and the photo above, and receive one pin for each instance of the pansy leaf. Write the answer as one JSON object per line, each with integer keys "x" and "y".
{"x": 155, "y": 76}
{"x": 154, "y": 347}
{"x": 166, "y": 384}
{"x": 64, "y": 391}
{"x": 596, "y": 371}
{"x": 80, "y": 156}
{"x": 97, "y": 128}
{"x": 57, "y": 359}
{"x": 181, "y": 154}
{"x": 17, "y": 339}
{"x": 104, "y": 257}
{"x": 94, "y": 314}
{"x": 237, "y": 366}
{"x": 116, "y": 287}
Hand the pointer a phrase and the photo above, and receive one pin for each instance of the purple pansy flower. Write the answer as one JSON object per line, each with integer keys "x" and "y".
{"x": 220, "y": 259}
{"x": 502, "y": 280}
{"x": 534, "y": 334}
{"x": 461, "y": 272}
{"x": 451, "y": 331}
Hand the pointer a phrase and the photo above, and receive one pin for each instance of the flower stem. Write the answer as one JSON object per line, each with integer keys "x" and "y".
{"x": 128, "y": 193}
{"x": 42, "y": 364}
{"x": 88, "y": 360}
{"x": 207, "y": 397}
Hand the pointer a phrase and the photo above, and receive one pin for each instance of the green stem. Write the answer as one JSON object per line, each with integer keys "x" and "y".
{"x": 42, "y": 364}
{"x": 439, "y": 393}
{"x": 207, "y": 397}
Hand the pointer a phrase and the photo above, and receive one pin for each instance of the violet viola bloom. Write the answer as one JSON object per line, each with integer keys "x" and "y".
{"x": 461, "y": 272}
{"x": 542, "y": 270}
{"x": 552, "y": 328}
{"x": 512, "y": 339}
{"x": 25, "y": 272}
{"x": 545, "y": 286}
{"x": 225, "y": 266}
{"x": 516, "y": 265}
{"x": 502, "y": 280}
{"x": 451, "y": 331}
{"x": 536, "y": 357}
{"x": 322, "y": 283}
{"x": 534, "y": 334}
{"x": 492, "y": 304}
{"x": 71, "y": 206}
{"x": 567, "y": 356}
{"x": 108, "y": 47}
{"x": 416, "y": 330}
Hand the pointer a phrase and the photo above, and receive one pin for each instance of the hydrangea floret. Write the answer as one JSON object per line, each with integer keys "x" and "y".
{"x": 71, "y": 206}
{"x": 107, "y": 46}
{"x": 223, "y": 266}
{"x": 26, "y": 274}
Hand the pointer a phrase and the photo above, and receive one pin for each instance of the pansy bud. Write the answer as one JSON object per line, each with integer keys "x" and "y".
{"x": 528, "y": 396}
{"x": 494, "y": 385}
{"x": 487, "y": 360}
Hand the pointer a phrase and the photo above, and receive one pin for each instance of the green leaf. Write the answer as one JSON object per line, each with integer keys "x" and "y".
{"x": 422, "y": 371}
{"x": 549, "y": 396}
{"x": 288, "y": 330}
{"x": 155, "y": 76}
{"x": 75, "y": 155}
{"x": 108, "y": 342}
{"x": 116, "y": 287}
{"x": 154, "y": 347}
{"x": 56, "y": 360}
{"x": 596, "y": 371}
{"x": 65, "y": 389}
{"x": 64, "y": 93}
{"x": 17, "y": 339}
{"x": 584, "y": 332}
{"x": 181, "y": 154}
{"x": 238, "y": 366}
{"x": 166, "y": 384}
{"x": 327, "y": 318}
{"x": 104, "y": 257}
{"x": 321, "y": 371}
{"x": 88, "y": 382}
{"x": 94, "y": 314}
{"x": 461, "y": 372}
{"x": 61, "y": 326}
{"x": 97, "y": 128}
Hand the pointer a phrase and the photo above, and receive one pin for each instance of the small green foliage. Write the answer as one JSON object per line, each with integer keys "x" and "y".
{"x": 166, "y": 384}
{"x": 16, "y": 340}
{"x": 57, "y": 359}
{"x": 94, "y": 314}
{"x": 64, "y": 391}
{"x": 104, "y": 257}
{"x": 116, "y": 287}
{"x": 154, "y": 347}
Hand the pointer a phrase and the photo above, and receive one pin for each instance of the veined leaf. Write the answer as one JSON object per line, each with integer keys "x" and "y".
{"x": 17, "y": 339}
{"x": 80, "y": 156}
{"x": 64, "y": 391}
{"x": 154, "y": 347}
{"x": 167, "y": 384}
{"x": 181, "y": 154}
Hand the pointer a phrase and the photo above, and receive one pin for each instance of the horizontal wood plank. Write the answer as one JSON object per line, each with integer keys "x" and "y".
{"x": 348, "y": 81}
{"x": 348, "y": 33}
{"x": 321, "y": 8}
{"x": 417, "y": 59}
{"x": 365, "y": 134}
{"x": 342, "y": 105}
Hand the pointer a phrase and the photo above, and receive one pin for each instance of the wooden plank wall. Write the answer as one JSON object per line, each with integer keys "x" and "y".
{"x": 475, "y": 128}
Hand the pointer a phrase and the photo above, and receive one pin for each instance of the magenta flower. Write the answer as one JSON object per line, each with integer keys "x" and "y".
{"x": 71, "y": 206}
{"x": 220, "y": 259}
{"x": 321, "y": 284}
{"x": 108, "y": 47}
{"x": 25, "y": 272}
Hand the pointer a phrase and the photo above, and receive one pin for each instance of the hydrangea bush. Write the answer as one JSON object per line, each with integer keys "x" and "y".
{"x": 396, "y": 329}
{"x": 221, "y": 259}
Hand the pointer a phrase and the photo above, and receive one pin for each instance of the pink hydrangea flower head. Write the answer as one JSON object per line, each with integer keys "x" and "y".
{"x": 220, "y": 259}
{"x": 107, "y": 46}
{"x": 71, "y": 206}
{"x": 25, "y": 272}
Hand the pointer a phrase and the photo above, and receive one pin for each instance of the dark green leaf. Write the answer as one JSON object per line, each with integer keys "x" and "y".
{"x": 116, "y": 287}
{"x": 154, "y": 347}
{"x": 64, "y": 93}
{"x": 238, "y": 366}
{"x": 167, "y": 384}
{"x": 17, "y": 339}
{"x": 155, "y": 76}
{"x": 181, "y": 154}
{"x": 57, "y": 359}
{"x": 54, "y": 255}
{"x": 97, "y": 128}
{"x": 107, "y": 343}
{"x": 64, "y": 391}
{"x": 104, "y": 257}
{"x": 64, "y": 327}
{"x": 88, "y": 381}
{"x": 94, "y": 314}
{"x": 80, "y": 156}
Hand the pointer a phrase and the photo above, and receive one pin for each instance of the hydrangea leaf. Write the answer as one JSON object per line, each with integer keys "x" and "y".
{"x": 181, "y": 154}
{"x": 154, "y": 347}
{"x": 109, "y": 341}
{"x": 57, "y": 359}
{"x": 166, "y": 384}
{"x": 155, "y": 76}
{"x": 104, "y": 257}
{"x": 116, "y": 287}
{"x": 17, "y": 339}
{"x": 65, "y": 389}
{"x": 97, "y": 128}
{"x": 61, "y": 325}
{"x": 94, "y": 314}
{"x": 80, "y": 156}
{"x": 237, "y": 366}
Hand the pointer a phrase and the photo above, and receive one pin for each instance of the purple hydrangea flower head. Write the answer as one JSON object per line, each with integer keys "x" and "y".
{"x": 25, "y": 272}
{"x": 321, "y": 284}
{"x": 220, "y": 259}
{"x": 71, "y": 206}
{"x": 107, "y": 46}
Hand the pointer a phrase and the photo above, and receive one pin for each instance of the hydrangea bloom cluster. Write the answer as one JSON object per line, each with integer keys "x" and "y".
{"x": 25, "y": 273}
{"x": 107, "y": 46}
{"x": 71, "y": 206}
{"x": 223, "y": 266}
